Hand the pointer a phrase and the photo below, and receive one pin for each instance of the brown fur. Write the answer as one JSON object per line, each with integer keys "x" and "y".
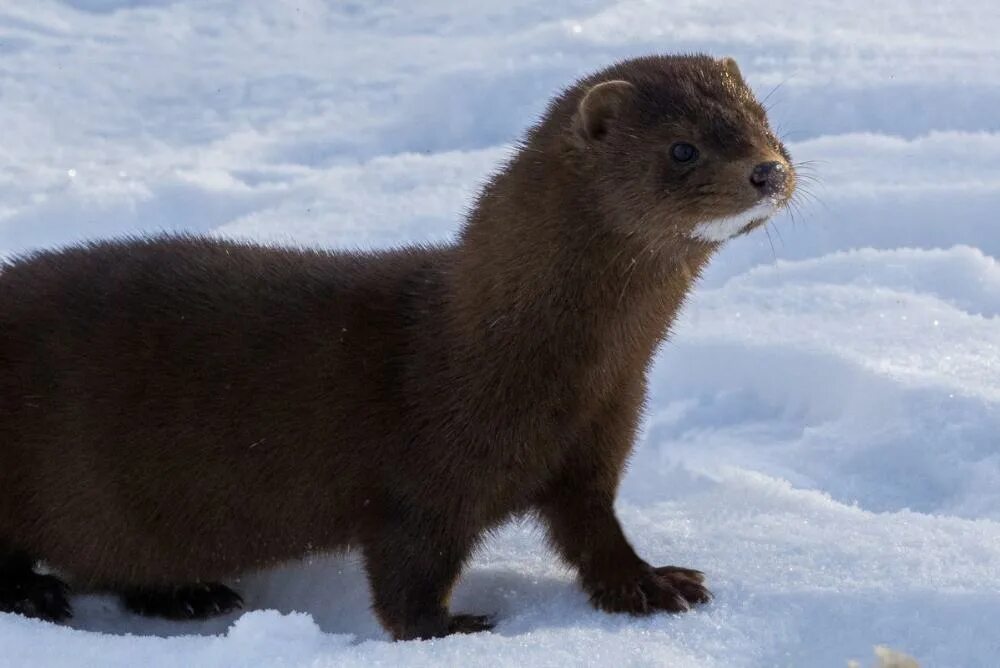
{"x": 178, "y": 410}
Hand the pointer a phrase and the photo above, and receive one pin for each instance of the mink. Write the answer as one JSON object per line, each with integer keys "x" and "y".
{"x": 178, "y": 410}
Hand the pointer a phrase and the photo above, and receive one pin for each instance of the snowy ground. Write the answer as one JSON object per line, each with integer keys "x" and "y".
{"x": 822, "y": 438}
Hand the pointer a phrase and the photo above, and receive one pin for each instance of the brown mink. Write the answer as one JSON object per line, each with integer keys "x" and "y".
{"x": 175, "y": 411}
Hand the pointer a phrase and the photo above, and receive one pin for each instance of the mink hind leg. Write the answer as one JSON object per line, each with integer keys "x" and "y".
{"x": 26, "y": 592}
{"x": 183, "y": 601}
{"x": 412, "y": 567}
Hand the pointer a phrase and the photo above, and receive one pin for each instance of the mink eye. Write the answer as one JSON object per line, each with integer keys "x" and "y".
{"x": 683, "y": 152}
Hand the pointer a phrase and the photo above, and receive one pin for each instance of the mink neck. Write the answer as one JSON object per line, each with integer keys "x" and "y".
{"x": 542, "y": 278}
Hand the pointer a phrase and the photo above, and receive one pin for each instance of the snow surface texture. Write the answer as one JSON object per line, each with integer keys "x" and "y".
{"x": 822, "y": 434}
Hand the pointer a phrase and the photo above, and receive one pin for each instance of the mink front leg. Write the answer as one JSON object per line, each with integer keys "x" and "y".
{"x": 413, "y": 561}
{"x": 588, "y": 535}
{"x": 578, "y": 508}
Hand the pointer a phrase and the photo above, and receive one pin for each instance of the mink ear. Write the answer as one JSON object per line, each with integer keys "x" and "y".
{"x": 602, "y": 103}
{"x": 729, "y": 64}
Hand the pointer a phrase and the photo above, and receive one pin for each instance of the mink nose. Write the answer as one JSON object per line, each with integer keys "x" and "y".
{"x": 768, "y": 177}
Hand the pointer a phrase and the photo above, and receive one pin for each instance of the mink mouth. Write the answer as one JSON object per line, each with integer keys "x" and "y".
{"x": 753, "y": 224}
{"x": 721, "y": 229}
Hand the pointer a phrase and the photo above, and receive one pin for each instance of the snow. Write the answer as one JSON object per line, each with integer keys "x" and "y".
{"x": 822, "y": 430}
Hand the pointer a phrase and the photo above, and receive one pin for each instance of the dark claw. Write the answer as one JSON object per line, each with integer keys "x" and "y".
{"x": 677, "y": 571}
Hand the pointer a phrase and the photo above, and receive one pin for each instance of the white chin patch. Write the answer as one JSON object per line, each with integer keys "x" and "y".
{"x": 721, "y": 229}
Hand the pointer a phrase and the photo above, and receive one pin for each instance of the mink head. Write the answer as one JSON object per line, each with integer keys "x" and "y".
{"x": 676, "y": 146}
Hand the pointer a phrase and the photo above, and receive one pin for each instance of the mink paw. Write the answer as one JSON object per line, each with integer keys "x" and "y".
{"x": 470, "y": 623}
{"x": 441, "y": 625}
{"x": 183, "y": 602}
{"x": 34, "y": 595}
{"x": 667, "y": 588}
